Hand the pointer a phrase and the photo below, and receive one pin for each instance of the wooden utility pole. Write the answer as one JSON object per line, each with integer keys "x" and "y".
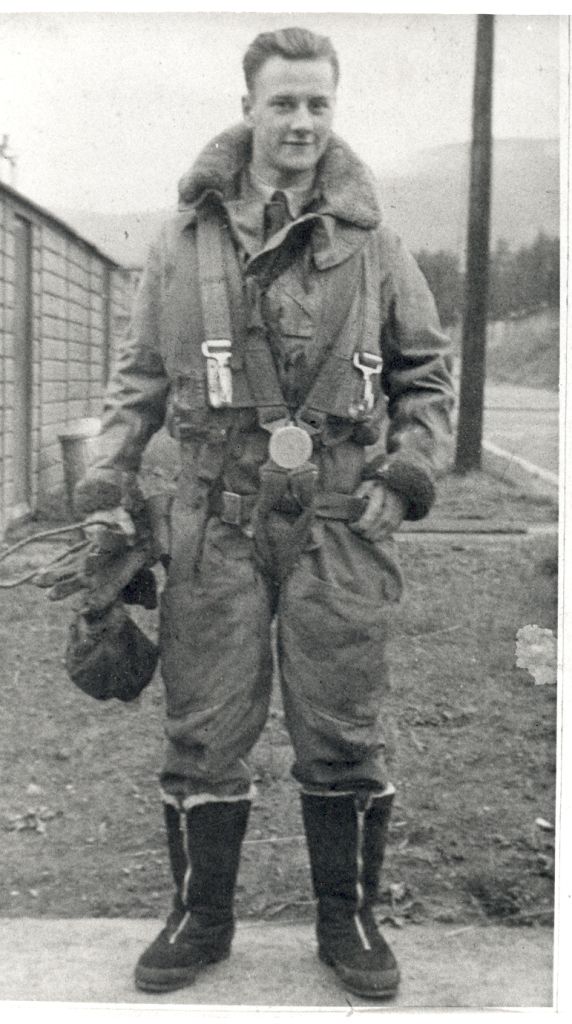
{"x": 471, "y": 401}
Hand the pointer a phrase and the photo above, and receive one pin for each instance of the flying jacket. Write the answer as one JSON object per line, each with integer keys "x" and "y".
{"x": 148, "y": 387}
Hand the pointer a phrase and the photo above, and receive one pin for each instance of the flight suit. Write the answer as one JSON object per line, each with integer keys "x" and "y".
{"x": 313, "y": 311}
{"x": 334, "y": 609}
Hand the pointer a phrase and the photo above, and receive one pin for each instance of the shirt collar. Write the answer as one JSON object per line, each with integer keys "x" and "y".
{"x": 296, "y": 198}
{"x": 247, "y": 212}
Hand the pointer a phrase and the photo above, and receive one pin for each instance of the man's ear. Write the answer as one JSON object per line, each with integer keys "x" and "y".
{"x": 247, "y": 110}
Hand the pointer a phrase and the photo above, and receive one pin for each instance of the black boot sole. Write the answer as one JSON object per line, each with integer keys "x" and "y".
{"x": 168, "y": 979}
{"x": 386, "y": 989}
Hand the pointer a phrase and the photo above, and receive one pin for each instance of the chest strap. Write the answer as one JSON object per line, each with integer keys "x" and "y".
{"x": 224, "y": 331}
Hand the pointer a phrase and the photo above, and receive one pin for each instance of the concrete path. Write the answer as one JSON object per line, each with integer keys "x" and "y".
{"x": 520, "y": 435}
{"x": 274, "y": 965}
{"x": 523, "y": 422}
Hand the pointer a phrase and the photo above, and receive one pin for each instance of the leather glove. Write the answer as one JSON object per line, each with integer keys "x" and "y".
{"x": 121, "y": 559}
{"x": 114, "y": 564}
{"x": 384, "y": 512}
{"x": 142, "y": 519}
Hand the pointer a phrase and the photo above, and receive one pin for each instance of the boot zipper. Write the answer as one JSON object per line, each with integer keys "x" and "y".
{"x": 187, "y": 877}
{"x": 361, "y": 813}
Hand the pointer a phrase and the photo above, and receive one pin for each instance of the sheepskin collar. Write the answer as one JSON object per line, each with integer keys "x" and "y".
{"x": 345, "y": 184}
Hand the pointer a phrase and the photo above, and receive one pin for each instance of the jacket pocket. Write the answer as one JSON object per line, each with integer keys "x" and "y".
{"x": 295, "y": 321}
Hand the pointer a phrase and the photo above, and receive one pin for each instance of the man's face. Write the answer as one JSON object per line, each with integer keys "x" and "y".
{"x": 290, "y": 111}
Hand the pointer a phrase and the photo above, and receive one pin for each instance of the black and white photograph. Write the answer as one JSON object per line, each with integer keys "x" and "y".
{"x": 283, "y": 322}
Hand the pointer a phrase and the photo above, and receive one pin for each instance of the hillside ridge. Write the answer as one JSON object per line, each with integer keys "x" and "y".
{"x": 426, "y": 202}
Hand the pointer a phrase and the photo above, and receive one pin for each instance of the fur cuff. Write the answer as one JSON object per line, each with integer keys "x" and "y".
{"x": 411, "y": 482}
{"x": 99, "y": 490}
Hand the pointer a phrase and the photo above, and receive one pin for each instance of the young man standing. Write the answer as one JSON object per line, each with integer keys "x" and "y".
{"x": 281, "y": 331}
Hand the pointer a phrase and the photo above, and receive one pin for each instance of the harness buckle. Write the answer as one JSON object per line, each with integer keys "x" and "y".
{"x": 369, "y": 365}
{"x": 217, "y": 352}
{"x": 232, "y": 508}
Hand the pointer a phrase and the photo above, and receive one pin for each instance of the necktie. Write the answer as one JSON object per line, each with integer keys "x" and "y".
{"x": 275, "y": 214}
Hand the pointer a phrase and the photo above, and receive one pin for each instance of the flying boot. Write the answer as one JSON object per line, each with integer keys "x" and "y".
{"x": 346, "y": 835}
{"x": 204, "y": 849}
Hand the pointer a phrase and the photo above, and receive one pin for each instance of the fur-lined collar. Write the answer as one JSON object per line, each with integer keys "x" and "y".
{"x": 345, "y": 183}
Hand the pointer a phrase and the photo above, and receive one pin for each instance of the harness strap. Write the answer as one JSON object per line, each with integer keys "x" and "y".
{"x": 334, "y": 384}
{"x": 224, "y": 323}
{"x": 212, "y": 280}
{"x": 241, "y": 372}
{"x": 240, "y": 368}
{"x": 259, "y": 363}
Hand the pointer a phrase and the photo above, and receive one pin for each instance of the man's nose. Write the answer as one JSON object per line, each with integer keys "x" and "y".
{"x": 302, "y": 118}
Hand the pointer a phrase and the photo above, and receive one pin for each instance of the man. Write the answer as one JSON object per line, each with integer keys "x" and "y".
{"x": 276, "y": 319}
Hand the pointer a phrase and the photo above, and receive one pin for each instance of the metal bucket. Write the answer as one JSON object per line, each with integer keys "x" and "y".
{"x": 80, "y": 448}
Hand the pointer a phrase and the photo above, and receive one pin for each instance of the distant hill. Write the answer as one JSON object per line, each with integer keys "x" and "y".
{"x": 426, "y": 202}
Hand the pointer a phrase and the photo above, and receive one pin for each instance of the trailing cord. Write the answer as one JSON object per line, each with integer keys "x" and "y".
{"x": 44, "y": 535}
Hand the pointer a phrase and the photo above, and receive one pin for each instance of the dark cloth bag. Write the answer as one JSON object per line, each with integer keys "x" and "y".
{"x": 109, "y": 656}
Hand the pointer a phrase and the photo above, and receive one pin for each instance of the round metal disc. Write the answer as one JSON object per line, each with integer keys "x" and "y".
{"x": 290, "y": 447}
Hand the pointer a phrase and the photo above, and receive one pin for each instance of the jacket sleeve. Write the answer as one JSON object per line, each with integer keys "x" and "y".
{"x": 135, "y": 400}
{"x": 416, "y": 378}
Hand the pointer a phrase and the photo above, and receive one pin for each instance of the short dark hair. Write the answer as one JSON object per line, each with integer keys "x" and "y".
{"x": 292, "y": 44}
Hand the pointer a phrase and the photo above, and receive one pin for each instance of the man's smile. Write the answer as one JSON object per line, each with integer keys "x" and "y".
{"x": 290, "y": 111}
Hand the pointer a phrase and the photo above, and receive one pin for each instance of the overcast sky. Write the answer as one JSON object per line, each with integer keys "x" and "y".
{"x": 105, "y": 111}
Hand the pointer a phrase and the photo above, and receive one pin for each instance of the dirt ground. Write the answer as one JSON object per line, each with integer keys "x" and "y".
{"x": 473, "y": 741}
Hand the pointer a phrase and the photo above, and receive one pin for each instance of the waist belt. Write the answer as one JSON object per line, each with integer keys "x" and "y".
{"x": 236, "y": 509}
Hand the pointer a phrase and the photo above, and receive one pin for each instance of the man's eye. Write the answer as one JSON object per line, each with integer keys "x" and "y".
{"x": 319, "y": 105}
{"x": 282, "y": 104}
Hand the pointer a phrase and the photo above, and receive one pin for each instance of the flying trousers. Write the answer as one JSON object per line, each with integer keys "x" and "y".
{"x": 333, "y": 619}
